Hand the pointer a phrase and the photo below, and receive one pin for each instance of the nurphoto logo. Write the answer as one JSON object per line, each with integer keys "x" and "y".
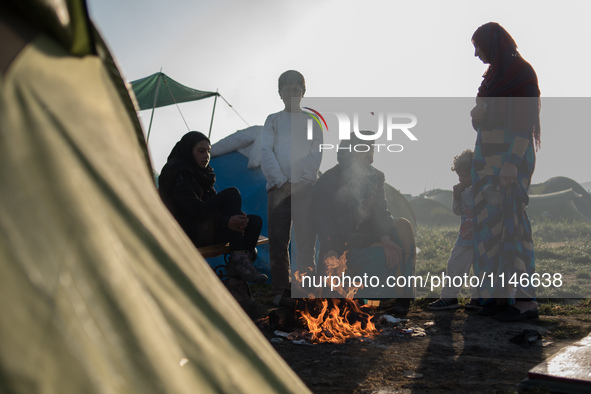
{"x": 392, "y": 124}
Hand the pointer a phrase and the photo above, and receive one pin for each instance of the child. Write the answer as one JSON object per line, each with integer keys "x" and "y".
{"x": 462, "y": 254}
{"x": 290, "y": 163}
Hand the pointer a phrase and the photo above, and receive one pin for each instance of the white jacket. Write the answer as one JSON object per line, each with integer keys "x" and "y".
{"x": 287, "y": 154}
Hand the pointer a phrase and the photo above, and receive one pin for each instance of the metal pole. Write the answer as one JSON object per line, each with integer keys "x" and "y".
{"x": 154, "y": 106}
{"x": 212, "y": 113}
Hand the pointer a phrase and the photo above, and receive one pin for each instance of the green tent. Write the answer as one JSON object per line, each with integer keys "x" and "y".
{"x": 159, "y": 90}
{"x": 101, "y": 290}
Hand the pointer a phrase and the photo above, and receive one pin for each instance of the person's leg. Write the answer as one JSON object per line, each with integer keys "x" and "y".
{"x": 458, "y": 265}
{"x": 279, "y": 226}
{"x": 252, "y": 232}
{"x": 474, "y": 290}
{"x": 305, "y": 237}
{"x": 227, "y": 202}
{"x": 404, "y": 237}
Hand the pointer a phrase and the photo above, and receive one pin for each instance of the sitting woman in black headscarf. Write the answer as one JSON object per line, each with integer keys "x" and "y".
{"x": 186, "y": 185}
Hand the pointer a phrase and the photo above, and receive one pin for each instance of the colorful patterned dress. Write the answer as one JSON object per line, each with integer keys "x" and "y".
{"x": 508, "y": 131}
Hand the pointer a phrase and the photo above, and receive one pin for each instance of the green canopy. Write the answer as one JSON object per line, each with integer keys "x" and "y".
{"x": 159, "y": 90}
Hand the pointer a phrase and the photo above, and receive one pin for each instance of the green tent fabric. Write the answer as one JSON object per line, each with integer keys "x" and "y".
{"x": 430, "y": 212}
{"x": 558, "y": 198}
{"x": 560, "y": 183}
{"x": 165, "y": 90}
{"x": 102, "y": 291}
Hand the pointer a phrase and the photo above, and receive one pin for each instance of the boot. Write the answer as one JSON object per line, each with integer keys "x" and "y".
{"x": 241, "y": 266}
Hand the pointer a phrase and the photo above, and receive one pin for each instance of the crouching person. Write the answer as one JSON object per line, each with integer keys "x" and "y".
{"x": 352, "y": 219}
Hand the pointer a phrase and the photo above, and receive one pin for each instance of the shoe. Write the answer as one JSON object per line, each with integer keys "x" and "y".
{"x": 241, "y": 266}
{"x": 473, "y": 305}
{"x": 513, "y": 314}
{"x": 492, "y": 309}
{"x": 401, "y": 306}
{"x": 443, "y": 304}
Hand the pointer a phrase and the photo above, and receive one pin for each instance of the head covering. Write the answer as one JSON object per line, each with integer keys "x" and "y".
{"x": 181, "y": 160}
{"x": 508, "y": 73}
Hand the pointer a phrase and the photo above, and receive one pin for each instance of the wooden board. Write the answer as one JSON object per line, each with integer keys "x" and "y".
{"x": 569, "y": 369}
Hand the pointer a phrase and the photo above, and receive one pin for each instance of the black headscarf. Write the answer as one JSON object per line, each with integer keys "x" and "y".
{"x": 508, "y": 73}
{"x": 181, "y": 160}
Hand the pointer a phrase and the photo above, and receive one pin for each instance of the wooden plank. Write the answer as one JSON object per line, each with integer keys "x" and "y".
{"x": 571, "y": 365}
{"x": 219, "y": 249}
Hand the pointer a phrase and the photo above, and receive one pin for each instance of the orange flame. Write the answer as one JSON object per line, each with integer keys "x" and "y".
{"x": 298, "y": 276}
{"x": 337, "y": 266}
{"x": 341, "y": 321}
{"x": 334, "y": 320}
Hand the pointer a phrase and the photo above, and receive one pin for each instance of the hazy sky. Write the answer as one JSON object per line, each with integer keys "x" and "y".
{"x": 349, "y": 48}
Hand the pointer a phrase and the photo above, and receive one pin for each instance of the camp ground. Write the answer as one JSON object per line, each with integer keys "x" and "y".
{"x": 102, "y": 292}
{"x": 475, "y": 345}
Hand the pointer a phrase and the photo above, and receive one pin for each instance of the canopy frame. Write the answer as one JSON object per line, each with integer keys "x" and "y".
{"x": 151, "y": 94}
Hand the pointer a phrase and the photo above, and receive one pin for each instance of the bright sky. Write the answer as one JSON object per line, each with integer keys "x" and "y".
{"x": 346, "y": 48}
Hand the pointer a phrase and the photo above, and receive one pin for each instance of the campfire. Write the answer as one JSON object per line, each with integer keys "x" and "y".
{"x": 317, "y": 319}
{"x": 335, "y": 320}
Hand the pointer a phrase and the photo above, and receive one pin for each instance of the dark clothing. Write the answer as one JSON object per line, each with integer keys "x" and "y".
{"x": 508, "y": 75}
{"x": 351, "y": 211}
{"x": 351, "y": 215}
{"x": 181, "y": 163}
{"x": 296, "y": 199}
{"x": 188, "y": 192}
{"x": 206, "y": 221}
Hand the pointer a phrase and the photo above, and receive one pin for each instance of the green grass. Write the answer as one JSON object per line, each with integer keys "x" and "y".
{"x": 561, "y": 248}
{"x": 550, "y": 307}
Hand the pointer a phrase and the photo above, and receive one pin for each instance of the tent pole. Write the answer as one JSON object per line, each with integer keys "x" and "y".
{"x": 212, "y": 113}
{"x": 154, "y": 106}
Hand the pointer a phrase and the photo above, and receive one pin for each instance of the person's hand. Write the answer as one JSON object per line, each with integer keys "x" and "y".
{"x": 458, "y": 189}
{"x": 238, "y": 223}
{"x": 508, "y": 174}
{"x": 392, "y": 251}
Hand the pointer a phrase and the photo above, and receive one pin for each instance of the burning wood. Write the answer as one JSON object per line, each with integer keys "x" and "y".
{"x": 336, "y": 267}
{"x": 336, "y": 320}
{"x": 309, "y": 284}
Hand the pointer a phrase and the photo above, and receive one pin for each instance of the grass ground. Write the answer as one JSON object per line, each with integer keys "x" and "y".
{"x": 461, "y": 352}
{"x": 562, "y": 249}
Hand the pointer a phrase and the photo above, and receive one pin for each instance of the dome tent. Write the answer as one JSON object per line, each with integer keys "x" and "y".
{"x": 103, "y": 290}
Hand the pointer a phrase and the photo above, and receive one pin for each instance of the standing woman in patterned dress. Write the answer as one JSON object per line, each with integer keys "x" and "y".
{"x": 506, "y": 118}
